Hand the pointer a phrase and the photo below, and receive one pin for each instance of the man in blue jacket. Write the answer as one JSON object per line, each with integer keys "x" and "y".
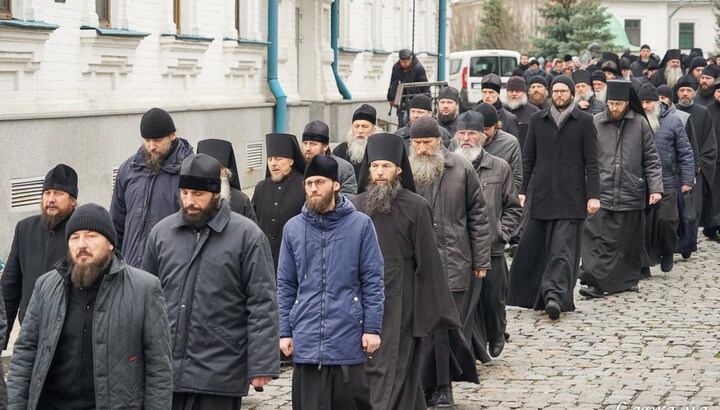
{"x": 330, "y": 294}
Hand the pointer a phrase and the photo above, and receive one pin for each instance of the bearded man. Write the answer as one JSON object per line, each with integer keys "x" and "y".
{"x": 599, "y": 84}
{"x": 517, "y": 103}
{"x": 706, "y": 90}
{"x": 448, "y": 108}
{"x": 279, "y": 196}
{"x": 230, "y": 189}
{"x": 491, "y": 85}
{"x": 584, "y": 95}
{"x": 315, "y": 141}
{"x": 499, "y": 143}
{"x": 36, "y": 245}
{"x": 146, "y": 186}
{"x": 613, "y": 237}
{"x": 421, "y": 106}
{"x": 537, "y": 92}
{"x": 452, "y": 187}
{"x": 216, "y": 270}
{"x": 363, "y": 126}
{"x": 484, "y": 321}
{"x": 418, "y": 301}
{"x": 96, "y": 334}
{"x": 670, "y": 69}
{"x": 641, "y": 64}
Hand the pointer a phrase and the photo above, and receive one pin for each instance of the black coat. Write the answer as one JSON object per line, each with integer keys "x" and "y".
{"x": 341, "y": 152}
{"x": 565, "y": 164}
{"x": 416, "y": 74}
{"x": 34, "y": 251}
{"x": 523, "y": 114}
{"x": 240, "y": 203}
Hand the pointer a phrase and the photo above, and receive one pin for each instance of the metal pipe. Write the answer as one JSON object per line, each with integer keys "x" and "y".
{"x": 334, "y": 13}
{"x": 668, "y": 25}
{"x": 272, "y": 70}
{"x": 441, "y": 40}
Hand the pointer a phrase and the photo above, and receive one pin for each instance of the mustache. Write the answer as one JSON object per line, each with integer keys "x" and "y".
{"x": 83, "y": 252}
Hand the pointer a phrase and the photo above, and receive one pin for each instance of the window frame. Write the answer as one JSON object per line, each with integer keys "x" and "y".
{"x": 237, "y": 18}
{"x": 634, "y": 30}
{"x": 686, "y": 32}
{"x": 6, "y": 12}
{"x": 176, "y": 16}
{"x": 103, "y": 21}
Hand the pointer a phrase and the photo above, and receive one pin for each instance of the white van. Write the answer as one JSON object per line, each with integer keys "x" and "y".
{"x": 467, "y": 68}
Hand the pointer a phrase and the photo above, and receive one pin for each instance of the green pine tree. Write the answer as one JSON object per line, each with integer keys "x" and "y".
{"x": 497, "y": 29}
{"x": 570, "y": 26}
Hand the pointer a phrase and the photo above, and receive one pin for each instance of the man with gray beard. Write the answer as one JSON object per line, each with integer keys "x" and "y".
{"x": 484, "y": 319}
{"x": 363, "y": 126}
{"x": 516, "y": 102}
{"x": 418, "y": 301}
{"x": 599, "y": 84}
{"x": 500, "y": 143}
{"x": 584, "y": 95}
{"x": 670, "y": 69}
{"x": 230, "y": 189}
{"x": 452, "y": 187}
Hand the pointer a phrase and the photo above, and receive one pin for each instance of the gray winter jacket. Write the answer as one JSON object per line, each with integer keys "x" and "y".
{"x": 673, "y": 146}
{"x": 506, "y": 147}
{"x": 219, "y": 286}
{"x": 131, "y": 340}
{"x": 462, "y": 230}
{"x": 346, "y": 174}
{"x": 628, "y": 161}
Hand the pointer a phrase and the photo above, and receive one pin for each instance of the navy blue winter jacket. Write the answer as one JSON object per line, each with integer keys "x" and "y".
{"x": 674, "y": 149}
{"x": 330, "y": 284}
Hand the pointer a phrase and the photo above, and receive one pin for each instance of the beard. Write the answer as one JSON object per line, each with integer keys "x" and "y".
{"x": 198, "y": 221}
{"x": 380, "y": 197}
{"x": 356, "y": 147}
{"x": 83, "y": 275}
{"x": 471, "y": 153}
{"x": 620, "y": 115}
{"x": 225, "y": 188}
{"x": 320, "y": 204}
{"x": 562, "y": 106}
{"x": 50, "y": 221}
{"x": 672, "y": 75}
{"x": 155, "y": 164}
{"x": 685, "y": 102}
{"x": 602, "y": 94}
{"x": 537, "y": 99}
{"x": 447, "y": 118}
{"x": 707, "y": 92}
{"x": 653, "y": 117}
{"x": 586, "y": 96}
{"x": 513, "y": 105}
{"x": 427, "y": 168}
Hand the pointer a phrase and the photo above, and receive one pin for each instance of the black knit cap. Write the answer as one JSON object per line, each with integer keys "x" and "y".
{"x": 425, "y": 127}
{"x": 644, "y": 46}
{"x": 421, "y": 102}
{"x": 365, "y": 112}
{"x": 472, "y": 120}
{"x": 200, "y": 172}
{"x": 386, "y": 147}
{"x": 687, "y": 81}
{"x": 449, "y": 93}
{"x": 648, "y": 92}
{"x": 711, "y": 70}
{"x": 538, "y": 79}
{"x": 317, "y": 131}
{"x": 698, "y": 61}
{"x": 489, "y": 113}
{"x": 563, "y": 79}
{"x": 618, "y": 90}
{"x": 285, "y": 146}
{"x": 63, "y": 178}
{"x": 666, "y": 92}
{"x": 492, "y": 81}
{"x": 582, "y": 76}
{"x": 716, "y": 84}
{"x": 91, "y": 217}
{"x": 222, "y": 151}
{"x": 156, "y": 123}
{"x": 516, "y": 83}
{"x": 599, "y": 76}
{"x": 322, "y": 165}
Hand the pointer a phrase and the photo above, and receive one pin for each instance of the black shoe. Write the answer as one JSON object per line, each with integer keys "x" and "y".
{"x": 591, "y": 292}
{"x": 552, "y": 309}
{"x": 497, "y": 345}
{"x": 633, "y": 288}
{"x": 512, "y": 249}
{"x": 445, "y": 397}
{"x": 686, "y": 255}
{"x": 710, "y": 233}
{"x": 431, "y": 396}
{"x": 667, "y": 263}
{"x": 645, "y": 272}
{"x": 507, "y": 336}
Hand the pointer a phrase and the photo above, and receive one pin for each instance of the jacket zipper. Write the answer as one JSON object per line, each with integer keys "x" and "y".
{"x": 322, "y": 304}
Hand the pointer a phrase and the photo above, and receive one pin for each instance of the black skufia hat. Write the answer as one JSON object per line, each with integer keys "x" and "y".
{"x": 365, "y": 112}
{"x": 322, "y": 165}
{"x": 200, "y": 172}
{"x": 449, "y": 93}
{"x": 222, "y": 151}
{"x": 687, "y": 81}
{"x": 387, "y": 147}
{"x": 489, "y": 112}
{"x": 317, "y": 131}
{"x": 63, "y": 178}
{"x": 156, "y": 123}
{"x": 672, "y": 54}
{"x": 284, "y": 146}
{"x": 582, "y": 76}
{"x": 648, "y": 92}
{"x": 472, "y": 120}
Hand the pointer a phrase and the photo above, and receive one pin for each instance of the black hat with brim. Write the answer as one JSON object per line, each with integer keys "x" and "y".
{"x": 672, "y": 54}
{"x": 222, "y": 151}
{"x": 200, "y": 172}
{"x": 285, "y": 146}
{"x": 386, "y": 147}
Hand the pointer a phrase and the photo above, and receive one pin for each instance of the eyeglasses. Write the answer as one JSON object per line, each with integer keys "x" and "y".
{"x": 561, "y": 91}
{"x": 318, "y": 183}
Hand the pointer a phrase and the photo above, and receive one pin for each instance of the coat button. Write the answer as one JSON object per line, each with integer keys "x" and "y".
{"x": 182, "y": 306}
{"x": 275, "y": 203}
{"x": 355, "y": 299}
{"x": 47, "y": 348}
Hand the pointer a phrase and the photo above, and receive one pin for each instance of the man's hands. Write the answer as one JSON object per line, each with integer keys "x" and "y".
{"x": 370, "y": 342}
{"x": 685, "y": 188}
{"x": 258, "y": 382}
{"x": 593, "y": 205}
{"x": 654, "y": 198}
{"x": 522, "y": 200}
{"x": 286, "y": 345}
{"x": 391, "y": 102}
{"x": 480, "y": 273}
{"x": 583, "y": 106}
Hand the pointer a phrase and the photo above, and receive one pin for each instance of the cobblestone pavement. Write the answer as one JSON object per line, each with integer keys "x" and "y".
{"x": 659, "y": 347}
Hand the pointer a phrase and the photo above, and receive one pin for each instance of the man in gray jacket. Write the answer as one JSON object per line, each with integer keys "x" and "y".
{"x": 217, "y": 273}
{"x": 96, "y": 332}
{"x": 316, "y": 140}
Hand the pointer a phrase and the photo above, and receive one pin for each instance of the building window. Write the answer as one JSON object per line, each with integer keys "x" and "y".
{"x": 102, "y": 8}
{"x": 632, "y": 29}
{"x": 686, "y": 39}
{"x": 5, "y": 8}
{"x": 176, "y": 15}
{"x": 237, "y": 17}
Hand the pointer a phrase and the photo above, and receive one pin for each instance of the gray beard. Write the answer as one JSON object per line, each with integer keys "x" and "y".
{"x": 225, "y": 188}
{"x": 584, "y": 97}
{"x": 513, "y": 105}
{"x": 83, "y": 276}
{"x": 356, "y": 148}
{"x": 602, "y": 95}
{"x": 427, "y": 168}
{"x": 653, "y": 117}
{"x": 154, "y": 165}
{"x": 685, "y": 103}
{"x": 471, "y": 154}
{"x": 672, "y": 75}
{"x": 380, "y": 197}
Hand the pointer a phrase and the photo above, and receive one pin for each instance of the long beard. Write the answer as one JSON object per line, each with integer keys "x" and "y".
{"x": 380, "y": 197}
{"x": 85, "y": 274}
{"x": 685, "y": 102}
{"x": 155, "y": 164}
{"x": 653, "y": 117}
{"x": 198, "y": 221}
{"x": 470, "y": 153}
{"x": 707, "y": 92}
{"x": 672, "y": 75}
{"x": 319, "y": 205}
{"x": 602, "y": 94}
{"x": 537, "y": 99}
{"x": 356, "y": 148}
{"x": 225, "y": 188}
{"x": 51, "y": 221}
{"x": 426, "y": 168}
{"x": 513, "y": 105}
{"x": 446, "y": 119}
{"x": 584, "y": 96}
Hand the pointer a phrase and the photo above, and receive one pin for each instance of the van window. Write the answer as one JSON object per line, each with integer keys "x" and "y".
{"x": 455, "y": 66}
{"x": 507, "y": 64}
{"x": 482, "y": 66}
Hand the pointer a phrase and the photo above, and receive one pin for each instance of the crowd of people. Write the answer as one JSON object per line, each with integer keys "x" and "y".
{"x": 377, "y": 267}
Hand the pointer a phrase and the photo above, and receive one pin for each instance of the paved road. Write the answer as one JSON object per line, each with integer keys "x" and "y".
{"x": 659, "y": 347}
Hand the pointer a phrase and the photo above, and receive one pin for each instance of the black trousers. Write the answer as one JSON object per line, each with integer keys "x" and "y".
{"x": 330, "y": 387}
{"x": 196, "y": 401}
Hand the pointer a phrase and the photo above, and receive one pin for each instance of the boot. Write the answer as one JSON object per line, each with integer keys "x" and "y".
{"x": 431, "y": 396}
{"x": 445, "y": 397}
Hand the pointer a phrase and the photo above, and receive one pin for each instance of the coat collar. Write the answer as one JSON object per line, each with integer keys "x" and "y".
{"x": 217, "y": 224}
{"x": 545, "y": 112}
{"x": 449, "y": 158}
{"x": 485, "y": 161}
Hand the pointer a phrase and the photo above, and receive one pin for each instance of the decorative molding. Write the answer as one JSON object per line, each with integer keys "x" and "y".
{"x": 21, "y": 48}
{"x": 242, "y": 60}
{"x": 181, "y": 55}
{"x": 109, "y": 52}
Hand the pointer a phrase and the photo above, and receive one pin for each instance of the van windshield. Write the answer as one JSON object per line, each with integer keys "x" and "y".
{"x": 482, "y": 66}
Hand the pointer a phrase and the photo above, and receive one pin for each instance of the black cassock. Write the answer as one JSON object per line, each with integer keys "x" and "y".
{"x": 711, "y": 218}
{"x": 275, "y": 203}
{"x": 418, "y": 301}
{"x": 240, "y": 203}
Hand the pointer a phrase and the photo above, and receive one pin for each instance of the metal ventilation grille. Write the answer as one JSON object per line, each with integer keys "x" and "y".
{"x": 26, "y": 191}
{"x": 254, "y": 155}
{"x": 114, "y": 176}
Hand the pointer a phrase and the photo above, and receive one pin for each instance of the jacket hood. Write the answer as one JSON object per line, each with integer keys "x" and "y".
{"x": 117, "y": 265}
{"x": 343, "y": 207}
{"x": 173, "y": 162}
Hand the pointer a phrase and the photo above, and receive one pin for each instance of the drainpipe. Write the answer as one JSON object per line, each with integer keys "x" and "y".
{"x": 441, "y": 40}
{"x": 668, "y": 24}
{"x": 272, "y": 70}
{"x": 334, "y": 44}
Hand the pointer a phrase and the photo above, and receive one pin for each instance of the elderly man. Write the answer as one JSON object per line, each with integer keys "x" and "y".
{"x": 96, "y": 333}
{"x": 421, "y": 106}
{"x": 418, "y": 301}
{"x": 407, "y": 69}
{"x": 584, "y": 95}
{"x": 599, "y": 84}
{"x": 315, "y": 141}
{"x": 670, "y": 69}
{"x": 452, "y": 187}
{"x": 484, "y": 310}
{"x": 448, "y": 108}
{"x": 499, "y": 143}
{"x": 641, "y": 64}
{"x": 146, "y": 186}
{"x": 491, "y": 85}
{"x": 36, "y": 246}
{"x": 517, "y": 103}
{"x": 706, "y": 90}
{"x": 280, "y": 196}
{"x": 330, "y": 289}
{"x": 363, "y": 126}
{"x": 218, "y": 279}
{"x": 613, "y": 237}
{"x": 537, "y": 92}
{"x": 561, "y": 152}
